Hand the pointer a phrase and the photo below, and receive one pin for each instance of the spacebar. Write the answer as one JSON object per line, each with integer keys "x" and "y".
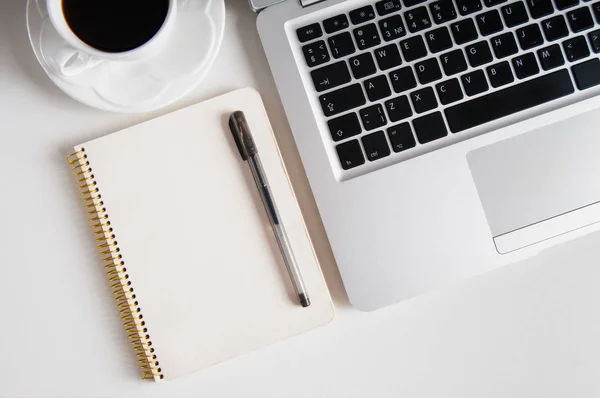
{"x": 508, "y": 101}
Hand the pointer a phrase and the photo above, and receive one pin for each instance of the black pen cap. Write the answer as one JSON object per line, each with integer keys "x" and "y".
{"x": 241, "y": 134}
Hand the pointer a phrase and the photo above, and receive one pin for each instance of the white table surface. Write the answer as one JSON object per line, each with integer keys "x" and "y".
{"x": 530, "y": 330}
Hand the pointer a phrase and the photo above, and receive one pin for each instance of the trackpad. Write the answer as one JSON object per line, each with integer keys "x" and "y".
{"x": 540, "y": 184}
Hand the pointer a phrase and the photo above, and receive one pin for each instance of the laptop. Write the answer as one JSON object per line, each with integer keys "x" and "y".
{"x": 444, "y": 138}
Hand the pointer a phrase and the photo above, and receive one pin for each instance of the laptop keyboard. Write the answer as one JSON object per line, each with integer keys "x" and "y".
{"x": 396, "y": 75}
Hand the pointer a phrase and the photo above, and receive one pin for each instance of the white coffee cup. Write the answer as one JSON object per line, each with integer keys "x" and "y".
{"x": 77, "y": 56}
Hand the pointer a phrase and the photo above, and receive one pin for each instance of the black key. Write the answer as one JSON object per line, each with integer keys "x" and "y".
{"x": 387, "y": 57}
{"x": 428, "y": 71}
{"x": 500, "y": 74}
{"x": 594, "y": 38}
{"x": 362, "y": 14}
{"x": 366, "y": 36}
{"x": 344, "y": 126}
{"x": 330, "y": 76}
{"x": 580, "y": 19}
{"x": 401, "y": 137}
{"x": 362, "y": 65}
{"x": 596, "y": 9}
{"x": 350, "y": 154}
{"x": 398, "y": 108}
{"x": 410, "y": 3}
{"x": 377, "y": 88}
{"x": 376, "y": 146}
{"x": 442, "y": 11}
{"x": 466, "y": 7}
{"x": 464, "y": 31}
{"x": 551, "y": 57}
{"x": 564, "y": 4}
{"x": 309, "y": 32}
{"x": 423, "y": 100}
{"x": 515, "y": 14}
{"x": 576, "y": 48}
{"x": 417, "y": 19}
{"x": 413, "y": 48}
{"x": 530, "y": 36}
{"x": 341, "y": 45}
{"x": 449, "y": 91}
{"x": 555, "y": 28}
{"x": 386, "y": 7}
{"x": 479, "y": 53}
{"x": 438, "y": 39}
{"x": 539, "y": 8}
{"x": 342, "y": 100}
{"x": 489, "y": 22}
{"x": 508, "y": 101}
{"x": 474, "y": 83}
{"x": 587, "y": 74}
{"x": 491, "y": 3}
{"x": 525, "y": 65}
{"x": 403, "y": 79}
{"x": 392, "y": 27}
{"x": 504, "y": 45}
{"x": 315, "y": 53}
{"x": 336, "y": 23}
{"x": 453, "y": 62}
{"x": 373, "y": 117}
{"x": 430, "y": 128}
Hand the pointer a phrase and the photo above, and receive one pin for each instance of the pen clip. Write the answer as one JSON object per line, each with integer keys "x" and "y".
{"x": 242, "y": 135}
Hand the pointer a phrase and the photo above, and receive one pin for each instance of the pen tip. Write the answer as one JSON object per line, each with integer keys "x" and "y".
{"x": 304, "y": 300}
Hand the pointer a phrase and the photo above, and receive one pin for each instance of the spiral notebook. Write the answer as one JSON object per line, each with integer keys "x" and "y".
{"x": 187, "y": 245}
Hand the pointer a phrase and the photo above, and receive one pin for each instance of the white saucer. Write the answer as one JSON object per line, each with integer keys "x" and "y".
{"x": 138, "y": 86}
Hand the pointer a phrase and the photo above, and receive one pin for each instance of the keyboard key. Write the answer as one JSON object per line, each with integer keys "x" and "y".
{"x": 387, "y": 57}
{"x": 464, "y": 31}
{"x": 362, "y": 65}
{"x": 401, "y": 137}
{"x": 337, "y": 23}
{"x": 580, "y": 19}
{"x": 350, "y": 154}
{"x": 555, "y": 28}
{"x": 489, "y": 22}
{"x": 410, "y": 3}
{"x": 315, "y": 53}
{"x": 504, "y": 45}
{"x": 479, "y": 53}
{"x": 442, "y": 11}
{"x": 530, "y": 36}
{"x": 474, "y": 83}
{"x": 398, "y": 108}
{"x": 362, "y": 14}
{"x": 491, "y": 3}
{"x": 594, "y": 38}
{"x": 539, "y": 8}
{"x": 576, "y": 48}
{"x": 309, "y": 32}
{"x": 330, "y": 76}
{"x": 376, "y": 146}
{"x": 500, "y": 74}
{"x": 392, "y": 28}
{"x": 430, "y": 128}
{"x": 386, "y": 7}
{"x": 564, "y": 4}
{"x": 342, "y": 100}
{"x": 377, "y": 88}
{"x": 417, "y": 19}
{"x": 514, "y": 14}
{"x": 525, "y": 65}
{"x": 587, "y": 74}
{"x": 403, "y": 79}
{"x": 454, "y": 62}
{"x": 366, "y": 36}
{"x": 373, "y": 117}
{"x": 449, "y": 91}
{"x": 551, "y": 57}
{"x": 344, "y": 127}
{"x": 341, "y": 45}
{"x": 428, "y": 71}
{"x": 438, "y": 39}
{"x": 596, "y": 9}
{"x": 508, "y": 101}
{"x": 423, "y": 100}
{"x": 466, "y": 7}
{"x": 413, "y": 48}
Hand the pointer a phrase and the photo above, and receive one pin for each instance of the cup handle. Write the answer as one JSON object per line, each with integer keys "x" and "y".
{"x": 71, "y": 62}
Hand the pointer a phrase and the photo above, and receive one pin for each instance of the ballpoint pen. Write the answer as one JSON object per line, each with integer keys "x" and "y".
{"x": 248, "y": 151}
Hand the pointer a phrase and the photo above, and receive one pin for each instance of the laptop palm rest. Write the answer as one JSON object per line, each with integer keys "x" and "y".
{"x": 540, "y": 184}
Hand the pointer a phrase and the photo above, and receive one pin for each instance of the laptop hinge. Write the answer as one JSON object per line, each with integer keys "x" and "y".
{"x": 306, "y": 3}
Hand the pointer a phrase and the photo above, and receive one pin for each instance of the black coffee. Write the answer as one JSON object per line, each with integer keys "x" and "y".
{"x": 115, "y": 25}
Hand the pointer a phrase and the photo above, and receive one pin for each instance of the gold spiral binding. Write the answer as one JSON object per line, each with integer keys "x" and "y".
{"x": 120, "y": 284}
